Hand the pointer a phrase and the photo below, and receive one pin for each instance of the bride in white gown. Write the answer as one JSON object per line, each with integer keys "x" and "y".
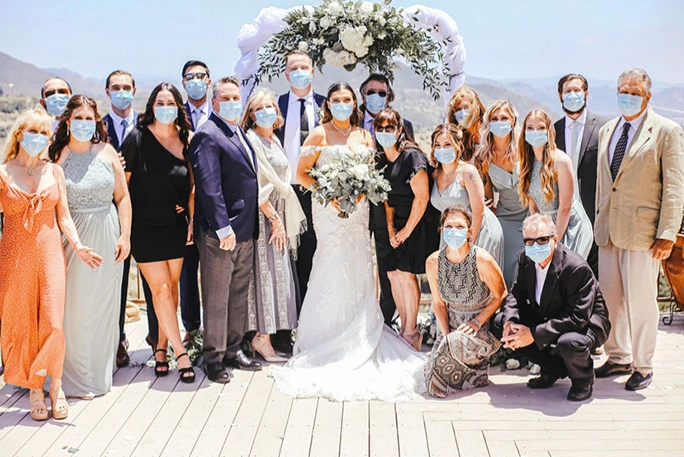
{"x": 343, "y": 350}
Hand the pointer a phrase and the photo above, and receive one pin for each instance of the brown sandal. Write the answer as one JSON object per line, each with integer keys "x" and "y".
{"x": 60, "y": 407}
{"x": 39, "y": 409}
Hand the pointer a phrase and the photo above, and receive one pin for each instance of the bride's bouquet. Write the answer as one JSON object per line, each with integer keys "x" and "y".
{"x": 346, "y": 179}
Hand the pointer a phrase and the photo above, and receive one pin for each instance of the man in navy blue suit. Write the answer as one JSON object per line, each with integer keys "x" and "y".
{"x": 196, "y": 81}
{"x": 299, "y": 107}
{"x": 119, "y": 122}
{"x": 226, "y": 196}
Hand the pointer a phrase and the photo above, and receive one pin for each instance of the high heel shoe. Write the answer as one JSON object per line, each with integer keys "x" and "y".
{"x": 265, "y": 350}
{"x": 60, "y": 407}
{"x": 158, "y": 366}
{"x": 187, "y": 375}
{"x": 39, "y": 409}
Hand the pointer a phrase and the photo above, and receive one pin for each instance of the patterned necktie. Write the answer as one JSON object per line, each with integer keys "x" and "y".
{"x": 304, "y": 120}
{"x": 620, "y": 149}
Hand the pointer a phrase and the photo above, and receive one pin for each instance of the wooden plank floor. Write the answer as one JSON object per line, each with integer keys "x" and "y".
{"x": 148, "y": 416}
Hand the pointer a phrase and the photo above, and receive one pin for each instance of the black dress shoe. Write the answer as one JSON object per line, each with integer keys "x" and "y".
{"x": 580, "y": 393}
{"x": 611, "y": 369}
{"x": 242, "y": 362}
{"x": 543, "y": 382}
{"x": 217, "y": 372}
{"x": 638, "y": 381}
{"x": 122, "y": 357}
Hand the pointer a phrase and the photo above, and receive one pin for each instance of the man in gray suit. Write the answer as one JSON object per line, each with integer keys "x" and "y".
{"x": 577, "y": 135}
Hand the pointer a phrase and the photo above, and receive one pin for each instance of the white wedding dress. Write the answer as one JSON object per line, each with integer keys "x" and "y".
{"x": 343, "y": 350}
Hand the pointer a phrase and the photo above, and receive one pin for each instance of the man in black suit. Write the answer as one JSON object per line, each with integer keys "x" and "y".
{"x": 196, "y": 81}
{"x": 227, "y": 191}
{"x": 121, "y": 119}
{"x": 577, "y": 134}
{"x": 555, "y": 313}
{"x": 377, "y": 94}
{"x": 300, "y": 109}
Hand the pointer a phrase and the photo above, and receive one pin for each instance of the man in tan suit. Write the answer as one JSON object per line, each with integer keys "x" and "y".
{"x": 639, "y": 198}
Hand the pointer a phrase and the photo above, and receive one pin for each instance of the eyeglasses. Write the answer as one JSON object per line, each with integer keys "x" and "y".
{"x": 386, "y": 128}
{"x": 541, "y": 240}
{"x": 56, "y": 91}
{"x": 382, "y": 93}
{"x": 191, "y": 76}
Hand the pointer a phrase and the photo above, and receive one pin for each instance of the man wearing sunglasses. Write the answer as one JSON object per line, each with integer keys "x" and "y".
{"x": 196, "y": 81}
{"x": 54, "y": 96}
{"x": 555, "y": 313}
{"x": 377, "y": 94}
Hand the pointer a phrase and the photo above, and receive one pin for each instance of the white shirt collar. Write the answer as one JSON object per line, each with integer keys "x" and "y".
{"x": 117, "y": 119}
{"x": 582, "y": 119}
{"x": 542, "y": 270}
{"x": 294, "y": 98}
{"x": 634, "y": 123}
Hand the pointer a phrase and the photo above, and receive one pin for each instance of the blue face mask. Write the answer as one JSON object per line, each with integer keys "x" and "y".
{"x": 56, "y": 103}
{"x": 34, "y": 143}
{"x": 266, "y": 117}
{"x": 341, "y": 111}
{"x": 375, "y": 103}
{"x": 196, "y": 88}
{"x": 446, "y": 155}
{"x": 166, "y": 114}
{"x": 629, "y": 105}
{"x": 301, "y": 79}
{"x": 573, "y": 101}
{"x": 82, "y": 130}
{"x": 500, "y": 128}
{"x": 538, "y": 252}
{"x": 463, "y": 118}
{"x": 455, "y": 237}
{"x": 386, "y": 139}
{"x": 121, "y": 99}
{"x": 230, "y": 110}
{"x": 536, "y": 138}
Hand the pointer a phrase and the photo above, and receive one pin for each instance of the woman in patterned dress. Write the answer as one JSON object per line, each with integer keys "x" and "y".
{"x": 467, "y": 288}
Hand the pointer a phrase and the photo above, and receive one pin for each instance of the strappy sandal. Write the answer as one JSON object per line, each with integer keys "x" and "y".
{"x": 158, "y": 371}
{"x": 187, "y": 375}
{"x": 39, "y": 409}
{"x": 60, "y": 407}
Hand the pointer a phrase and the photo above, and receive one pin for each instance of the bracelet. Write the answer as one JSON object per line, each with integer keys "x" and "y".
{"x": 273, "y": 217}
{"x": 479, "y": 326}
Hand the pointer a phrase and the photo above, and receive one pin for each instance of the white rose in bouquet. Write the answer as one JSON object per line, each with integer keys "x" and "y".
{"x": 360, "y": 172}
{"x": 326, "y": 22}
{"x": 303, "y": 46}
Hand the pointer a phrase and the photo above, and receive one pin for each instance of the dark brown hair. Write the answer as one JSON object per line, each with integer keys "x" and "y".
{"x": 569, "y": 77}
{"x": 62, "y": 136}
{"x": 456, "y": 209}
{"x": 404, "y": 139}
{"x": 119, "y": 73}
{"x": 181, "y": 120}
{"x": 380, "y": 78}
{"x": 456, "y": 136}
{"x": 327, "y": 115}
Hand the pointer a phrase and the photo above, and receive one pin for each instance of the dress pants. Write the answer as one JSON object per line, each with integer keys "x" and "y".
{"x": 378, "y": 225}
{"x": 225, "y": 279}
{"x": 307, "y": 245}
{"x": 629, "y": 282}
{"x": 570, "y": 357}
{"x": 189, "y": 289}
{"x": 152, "y": 324}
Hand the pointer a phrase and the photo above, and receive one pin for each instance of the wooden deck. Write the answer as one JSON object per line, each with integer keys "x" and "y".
{"x": 145, "y": 416}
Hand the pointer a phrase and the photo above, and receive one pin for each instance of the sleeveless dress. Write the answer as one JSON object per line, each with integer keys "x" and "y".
{"x": 491, "y": 237}
{"x": 459, "y": 361}
{"x": 272, "y": 299}
{"x": 343, "y": 350}
{"x": 511, "y": 214}
{"x": 579, "y": 236}
{"x": 32, "y": 285}
{"x": 93, "y": 296}
{"x": 159, "y": 181}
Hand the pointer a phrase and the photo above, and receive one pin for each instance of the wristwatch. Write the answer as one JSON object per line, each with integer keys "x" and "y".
{"x": 272, "y": 218}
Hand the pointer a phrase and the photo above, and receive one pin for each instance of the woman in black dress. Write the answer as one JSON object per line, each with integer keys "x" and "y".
{"x": 405, "y": 167}
{"x": 161, "y": 188}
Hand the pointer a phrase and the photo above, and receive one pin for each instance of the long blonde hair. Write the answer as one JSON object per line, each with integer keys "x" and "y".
{"x": 246, "y": 122}
{"x": 471, "y": 135}
{"x": 486, "y": 154}
{"x": 37, "y": 119}
{"x": 547, "y": 174}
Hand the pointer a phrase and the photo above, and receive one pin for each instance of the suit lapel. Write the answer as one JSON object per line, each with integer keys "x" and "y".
{"x": 188, "y": 114}
{"x": 604, "y": 159}
{"x": 551, "y": 279}
{"x": 560, "y": 136}
{"x": 530, "y": 280}
{"x": 233, "y": 138}
{"x": 641, "y": 137}
{"x": 111, "y": 131}
{"x": 284, "y": 105}
{"x": 589, "y": 127}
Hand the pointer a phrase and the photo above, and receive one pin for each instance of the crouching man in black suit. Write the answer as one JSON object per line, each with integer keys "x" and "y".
{"x": 555, "y": 313}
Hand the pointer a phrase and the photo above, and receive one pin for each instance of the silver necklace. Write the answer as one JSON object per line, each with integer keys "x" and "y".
{"x": 342, "y": 132}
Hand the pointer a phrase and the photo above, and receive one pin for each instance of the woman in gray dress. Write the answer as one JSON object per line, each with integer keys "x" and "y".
{"x": 498, "y": 156}
{"x": 459, "y": 183}
{"x": 547, "y": 183}
{"x": 467, "y": 288}
{"x": 101, "y": 209}
{"x": 272, "y": 293}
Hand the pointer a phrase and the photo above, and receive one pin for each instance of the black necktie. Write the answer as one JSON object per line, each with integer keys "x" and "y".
{"x": 620, "y": 149}
{"x": 304, "y": 120}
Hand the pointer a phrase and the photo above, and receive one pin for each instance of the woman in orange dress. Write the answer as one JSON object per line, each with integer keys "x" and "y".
{"x": 32, "y": 286}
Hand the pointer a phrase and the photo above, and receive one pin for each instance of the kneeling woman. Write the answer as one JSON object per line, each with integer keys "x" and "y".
{"x": 467, "y": 288}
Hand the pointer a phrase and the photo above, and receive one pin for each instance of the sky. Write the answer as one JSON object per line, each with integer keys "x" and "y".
{"x": 503, "y": 39}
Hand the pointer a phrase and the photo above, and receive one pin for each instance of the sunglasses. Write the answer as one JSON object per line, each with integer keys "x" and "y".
{"x": 191, "y": 76}
{"x": 382, "y": 93}
{"x": 541, "y": 240}
{"x": 56, "y": 91}
{"x": 386, "y": 128}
